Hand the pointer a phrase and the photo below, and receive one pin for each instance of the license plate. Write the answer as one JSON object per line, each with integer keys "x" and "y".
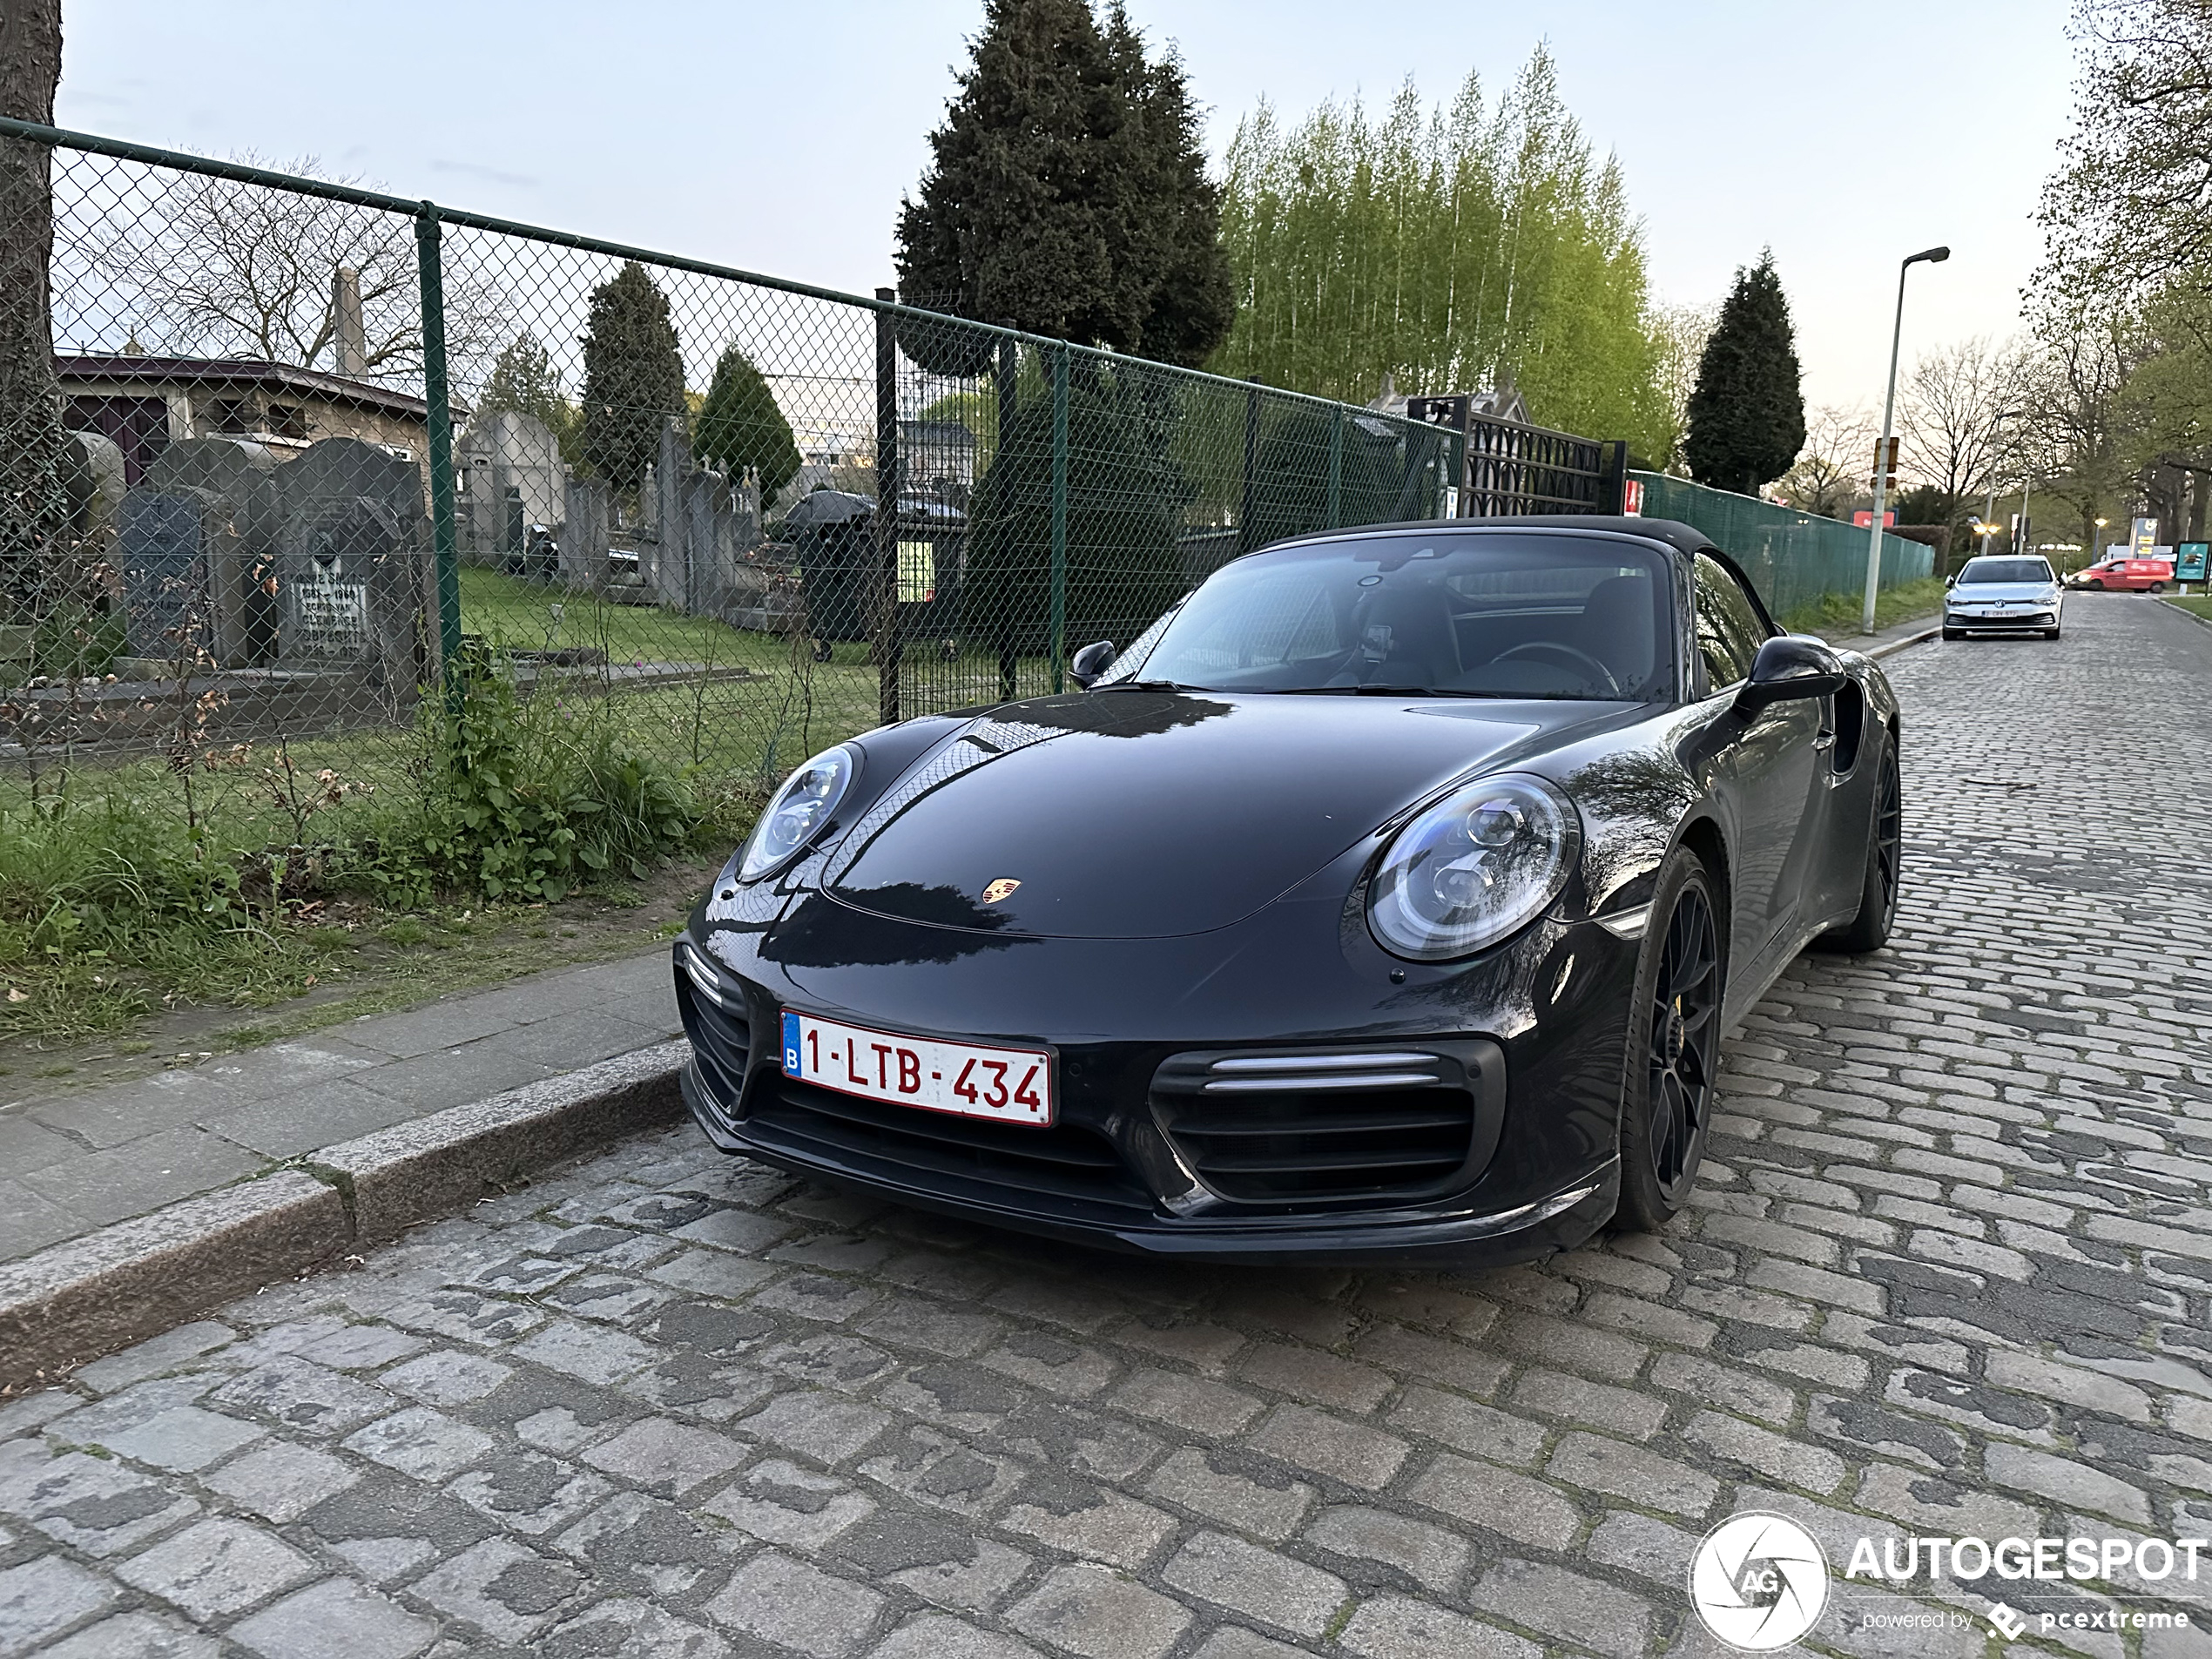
{"x": 969, "y": 1079}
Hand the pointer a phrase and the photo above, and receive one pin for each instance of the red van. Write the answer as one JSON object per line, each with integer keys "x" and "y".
{"x": 2119, "y": 573}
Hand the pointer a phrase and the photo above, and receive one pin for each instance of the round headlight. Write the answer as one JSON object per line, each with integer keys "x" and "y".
{"x": 1472, "y": 868}
{"x": 799, "y": 808}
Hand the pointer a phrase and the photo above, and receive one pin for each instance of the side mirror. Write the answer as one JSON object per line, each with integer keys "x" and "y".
{"x": 1950, "y": 581}
{"x": 1790, "y": 667}
{"x": 1090, "y": 662}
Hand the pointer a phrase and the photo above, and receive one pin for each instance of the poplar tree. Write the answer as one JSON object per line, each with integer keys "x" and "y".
{"x": 1747, "y": 415}
{"x": 1452, "y": 249}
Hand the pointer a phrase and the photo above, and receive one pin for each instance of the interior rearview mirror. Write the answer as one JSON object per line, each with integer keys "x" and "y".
{"x": 1090, "y": 662}
{"x": 1790, "y": 667}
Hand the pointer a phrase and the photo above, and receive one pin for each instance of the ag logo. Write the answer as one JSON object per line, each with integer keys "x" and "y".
{"x": 1759, "y": 1581}
{"x": 1001, "y": 888}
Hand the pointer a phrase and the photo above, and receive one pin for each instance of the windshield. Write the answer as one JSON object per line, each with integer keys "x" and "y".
{"x": 1473, "y": 615}
{"x": 1983, "y": 570}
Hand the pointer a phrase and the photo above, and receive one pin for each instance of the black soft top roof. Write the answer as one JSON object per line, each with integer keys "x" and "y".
{"x": 1681, "y": 538}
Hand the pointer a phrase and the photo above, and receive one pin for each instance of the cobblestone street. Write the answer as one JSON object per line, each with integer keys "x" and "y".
{"x": 1951, "y": 1274}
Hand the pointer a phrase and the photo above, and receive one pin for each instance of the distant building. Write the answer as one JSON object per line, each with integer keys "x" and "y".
{"x": 937, "y": 460}
{"x": 145, "y": 403}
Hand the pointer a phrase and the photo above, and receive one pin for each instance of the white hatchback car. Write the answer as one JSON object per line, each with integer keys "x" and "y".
{"x": 2003, "y": 594}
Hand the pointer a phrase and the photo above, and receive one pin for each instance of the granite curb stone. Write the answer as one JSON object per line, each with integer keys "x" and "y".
{"x": 91, "y": 1295}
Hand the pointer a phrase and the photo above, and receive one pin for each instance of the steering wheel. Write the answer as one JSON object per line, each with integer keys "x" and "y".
{"x": 1600, "y": 674}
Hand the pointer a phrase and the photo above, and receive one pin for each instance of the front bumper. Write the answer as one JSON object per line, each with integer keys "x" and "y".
{"x": 1557, "y": 1221}
{"x": 1527, "y": 1042}
{"x": 2031, "y": 622}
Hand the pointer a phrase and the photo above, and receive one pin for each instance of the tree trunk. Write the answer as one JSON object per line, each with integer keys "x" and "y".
{"x": 34, "y": 468}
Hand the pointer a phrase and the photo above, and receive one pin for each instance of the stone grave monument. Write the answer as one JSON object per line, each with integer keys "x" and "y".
{"x": 353, "y": 559}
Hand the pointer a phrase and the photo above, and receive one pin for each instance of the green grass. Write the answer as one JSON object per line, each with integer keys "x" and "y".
{"x": 2197, "y": 605}
{"x": 1837, "y": 614}
{"x": 106, "y": 914}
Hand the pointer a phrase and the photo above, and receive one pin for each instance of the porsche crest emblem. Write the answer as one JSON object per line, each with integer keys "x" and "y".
{"x": 1001, "y": 888}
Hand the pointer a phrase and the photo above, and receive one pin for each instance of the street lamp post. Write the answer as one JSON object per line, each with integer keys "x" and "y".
{"x": 1933, "y": 256}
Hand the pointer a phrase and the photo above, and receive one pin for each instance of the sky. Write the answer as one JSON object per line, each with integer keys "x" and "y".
{"x": 780, "y": 138}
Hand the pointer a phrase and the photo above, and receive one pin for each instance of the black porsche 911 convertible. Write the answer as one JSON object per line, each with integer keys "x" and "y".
{"x": 1387, "y": 898}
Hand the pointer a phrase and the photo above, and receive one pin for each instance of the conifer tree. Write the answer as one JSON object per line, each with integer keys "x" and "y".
{"x": 633, "y": 376}
{"x": 1747, "y": 415}
{"x": 739, "y": 425}
{"x": 1123, "y": 564}
{"x": 1066, "y": 192}
{"x": 524, "y": 380}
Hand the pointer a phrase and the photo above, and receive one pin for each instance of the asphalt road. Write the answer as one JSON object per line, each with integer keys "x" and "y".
{"x": 1951, "y": 1276}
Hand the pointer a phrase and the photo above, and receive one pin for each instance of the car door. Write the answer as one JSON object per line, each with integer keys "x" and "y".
{"x": 1769, "y": 766}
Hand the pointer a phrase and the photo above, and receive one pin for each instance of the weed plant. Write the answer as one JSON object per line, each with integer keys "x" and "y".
{"x": 112, "y": 901}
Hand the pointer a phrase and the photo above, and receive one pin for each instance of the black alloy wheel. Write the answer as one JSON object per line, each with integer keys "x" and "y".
{"x": 1878, "y": 894}
{"x": 1683, "y": 1053}
{"x": 1889, "y": 839}
{"x": 1674, "y": 1046}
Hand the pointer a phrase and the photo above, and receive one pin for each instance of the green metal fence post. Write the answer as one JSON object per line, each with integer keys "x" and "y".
{"x": 444, "y": 542}
{"x": 1007, "y": 371}
{"x": 1336, "y": 465}
{"x": 1059, "y": 513}
{"x": 1248, "y": 500}
{"x": 883, "y": 584}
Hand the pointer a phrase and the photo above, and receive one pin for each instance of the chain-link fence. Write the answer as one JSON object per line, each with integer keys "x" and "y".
{"x": 320, "y": 456}
{"x": 1794, "y": 559}
{"x": 318, "y": 497}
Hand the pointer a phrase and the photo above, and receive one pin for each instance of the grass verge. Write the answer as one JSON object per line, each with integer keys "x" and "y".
{"x": 1836, "y": 614}
{"x": 348, "y": 960}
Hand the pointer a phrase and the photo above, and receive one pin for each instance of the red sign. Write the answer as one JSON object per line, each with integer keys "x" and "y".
{"x": 1632, "y": 498}
{"x": 1865, "y": 518}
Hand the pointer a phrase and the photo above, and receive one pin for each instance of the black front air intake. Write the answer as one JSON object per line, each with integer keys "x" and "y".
{"x": 1379, "y": 1123}
{"x": 713, "y": 1009}
{"x": 1014, "y": 1165}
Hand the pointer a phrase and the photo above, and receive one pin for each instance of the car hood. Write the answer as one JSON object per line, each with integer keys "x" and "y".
{"x": 2002, "y": 592}
{"x": 1142, "y": 814}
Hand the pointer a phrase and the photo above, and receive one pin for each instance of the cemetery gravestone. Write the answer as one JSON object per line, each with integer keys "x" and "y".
{"x": 352, "y": 562}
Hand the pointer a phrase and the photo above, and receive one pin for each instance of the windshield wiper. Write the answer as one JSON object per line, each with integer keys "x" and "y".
{"x": 1150, "y": 685}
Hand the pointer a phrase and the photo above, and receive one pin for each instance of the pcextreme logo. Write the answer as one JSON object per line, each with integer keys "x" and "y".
{"x": 1758, "y": 1581}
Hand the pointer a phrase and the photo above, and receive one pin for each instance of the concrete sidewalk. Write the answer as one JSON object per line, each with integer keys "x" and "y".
{"x": 1889, "y": 640}
{"x": 72, "y": 1163}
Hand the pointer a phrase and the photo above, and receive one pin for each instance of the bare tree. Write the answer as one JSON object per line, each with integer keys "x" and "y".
{"x": 1679, "y": 333}
{"x": 213, "y": 267}
{"x": 2078, "y": 417}
{"x": 34, "y": 486}
{"x": 1956, "y": 402}
{"x": 1835, "y": 463}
